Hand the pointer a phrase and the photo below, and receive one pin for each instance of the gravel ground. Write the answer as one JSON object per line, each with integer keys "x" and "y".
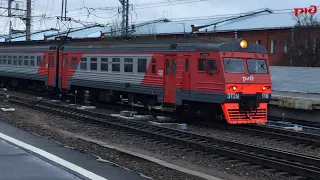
{"x": 51, "y": 127}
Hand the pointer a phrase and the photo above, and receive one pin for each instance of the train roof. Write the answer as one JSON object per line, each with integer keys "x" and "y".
{"x": 138, "y": 45}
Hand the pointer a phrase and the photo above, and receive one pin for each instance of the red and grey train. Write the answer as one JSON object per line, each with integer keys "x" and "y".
{"x": 213, "y": 76}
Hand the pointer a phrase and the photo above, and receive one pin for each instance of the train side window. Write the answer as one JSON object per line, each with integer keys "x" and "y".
{"x": 26, "y": 60}
{"x": 201, "y": 64}
{"x": 187, "y": 65}
{"x": 4, "y": 59}
{"x": 65, "y": 62}
{"x": 44, "y": 61}
{"x": 83, "y": 64}
{"x": 104, "y": 64}
{"x": 15, "y": 60}
{"x": 173, "y": 68}
{"x": 154, "y": 66}
{"x": 142, "y": 65}
{"x": 74, "y": 63}
{"x": 9, "y": 60}
{"x": 167, "y": 66}
{"x": 128, "y": 65}
{"x": 93, "y": 64}
{"x": 20, "y": 61}
{"x": 115, "y": 64}
{"x": 32, "y": 60}
{"x": 212, "y": 65}
{"x": 38, "y": 61}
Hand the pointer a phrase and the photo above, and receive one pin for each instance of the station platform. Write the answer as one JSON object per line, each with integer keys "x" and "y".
{"x": 295, "y": 100}
{"x": 30, "y": 157}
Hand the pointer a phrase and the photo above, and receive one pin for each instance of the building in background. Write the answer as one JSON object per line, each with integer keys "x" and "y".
{"x": 268, "y": 28}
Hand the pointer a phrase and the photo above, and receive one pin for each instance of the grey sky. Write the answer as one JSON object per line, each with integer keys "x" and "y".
{"x": 142, "y": 12}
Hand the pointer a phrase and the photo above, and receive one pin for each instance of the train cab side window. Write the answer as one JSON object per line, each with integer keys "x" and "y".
{"x": 104, "y": 64}
{"x": 93, "y": 64}
{"x": 15, "y": 60}
{"x": 212, "y": 65}
{"x": 167, "y": 66}
{"x": 128, "y": 65}
{"x": 26, "y": 61}
{"x": 20, "y": 61}
{"x": 154, "y": 64}
{"x": 74, "y": 63}
{"x": 187, "y": 65}
{"x": 32, "y": 60}
{"x": 115, "y": 64}
{"x": 38, "y": 61}
{"x": 173, "y": 67}
{"x": 142, "y": 65}
{"x": 83, "y": 64}
{"x": 202, "y": 64}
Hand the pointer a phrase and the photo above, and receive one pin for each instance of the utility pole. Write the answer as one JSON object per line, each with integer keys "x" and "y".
{"x": 12, "y": 13}
{"x": 28, "y": 21}
{"x": 125, "y": 17}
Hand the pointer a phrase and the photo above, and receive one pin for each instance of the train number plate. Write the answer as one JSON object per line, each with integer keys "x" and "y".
{"x": 265, "y": 96}
{"x": 233, "y": 96}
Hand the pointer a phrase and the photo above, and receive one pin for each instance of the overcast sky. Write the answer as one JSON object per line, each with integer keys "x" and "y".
{"x": 141, "y": 10}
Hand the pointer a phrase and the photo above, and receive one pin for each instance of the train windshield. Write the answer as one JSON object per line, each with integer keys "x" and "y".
{"x": 257, "y": 66}
{"x": 233, "y": 65}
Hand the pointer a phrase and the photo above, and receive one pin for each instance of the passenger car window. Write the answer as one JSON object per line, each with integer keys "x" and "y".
{"x": 115, "y": 64}
{"x": 233, "y": 65}
{"x": 128, "y": 65}
{"x": 257, "y": 66}
{"x": 142, "y": 65}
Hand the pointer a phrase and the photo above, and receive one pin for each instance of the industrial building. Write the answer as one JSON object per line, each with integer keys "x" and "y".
{"x": 263, "y": 26}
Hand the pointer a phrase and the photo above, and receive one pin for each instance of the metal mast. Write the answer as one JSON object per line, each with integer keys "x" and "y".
{"x": 28, "y": 21}
{"x": 125, "y": 17}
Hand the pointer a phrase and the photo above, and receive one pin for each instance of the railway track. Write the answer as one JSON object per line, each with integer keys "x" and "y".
{"x": 270, "y": 132}
{"x": 278, "y": 160}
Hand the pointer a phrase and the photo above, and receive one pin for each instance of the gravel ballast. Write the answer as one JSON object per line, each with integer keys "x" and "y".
{"x": 51, "y": 127}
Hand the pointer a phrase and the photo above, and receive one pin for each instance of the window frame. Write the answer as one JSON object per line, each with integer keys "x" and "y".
{"x": 205, "y": 65}
{"x": 243, "y": 63}
{"x": 267, "y": 69}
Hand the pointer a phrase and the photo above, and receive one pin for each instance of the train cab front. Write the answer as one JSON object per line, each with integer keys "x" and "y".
{"x": 247, "y": 87}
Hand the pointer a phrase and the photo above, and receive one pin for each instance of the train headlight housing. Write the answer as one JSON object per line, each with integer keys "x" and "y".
{"x": 243, "y": 44}
{"x": 234, "y": 88}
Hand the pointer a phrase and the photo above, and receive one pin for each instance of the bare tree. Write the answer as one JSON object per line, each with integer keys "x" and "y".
{"x": 301, "y": 44}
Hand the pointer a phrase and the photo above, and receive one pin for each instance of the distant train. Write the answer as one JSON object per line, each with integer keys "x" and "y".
{"x": 210, "y": 76}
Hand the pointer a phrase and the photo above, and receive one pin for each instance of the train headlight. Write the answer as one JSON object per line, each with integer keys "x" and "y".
{"x": 243, "y": 44}
{"x": 264, "y": 88}
{"x": 234, "y": 88}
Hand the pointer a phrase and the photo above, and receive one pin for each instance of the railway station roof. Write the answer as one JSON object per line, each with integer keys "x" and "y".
{"x": 253, "y": 20}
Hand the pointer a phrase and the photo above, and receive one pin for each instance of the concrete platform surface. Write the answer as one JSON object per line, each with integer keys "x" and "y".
{"x": 16, "y": 163}
{"x": 30, "y": 157}
{"x": 295, "y": 100}
{"x": 295, "y": 79}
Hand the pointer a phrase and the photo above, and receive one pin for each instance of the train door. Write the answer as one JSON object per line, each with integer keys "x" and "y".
{"x": 186, "y": 76}
{"x": 170, "y": 80}
{"x": 51, "y": 70}
{"x": 64, "y": 72}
